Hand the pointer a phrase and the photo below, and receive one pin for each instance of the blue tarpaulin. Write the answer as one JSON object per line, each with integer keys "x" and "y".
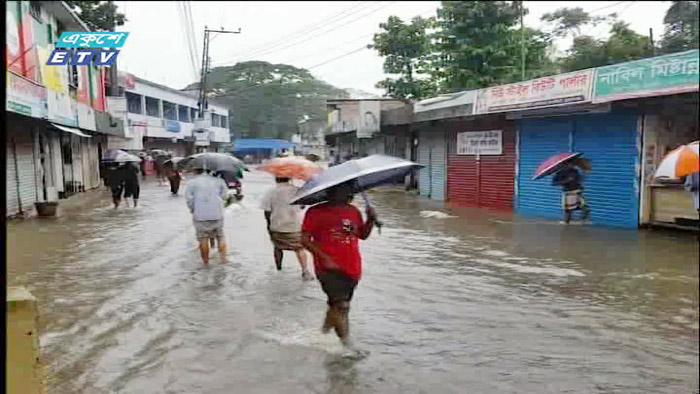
{"x": 261, "y": 143}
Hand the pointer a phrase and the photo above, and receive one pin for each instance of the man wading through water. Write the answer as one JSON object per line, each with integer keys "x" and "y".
{"x": 284, "y": 224}
{"x": 570, "y": 179}
{"x": 331, "y": 231}
{"x": 205, "y": 199}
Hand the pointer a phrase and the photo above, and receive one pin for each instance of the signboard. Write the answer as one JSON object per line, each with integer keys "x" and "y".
{"x": 172, "y": 126}
{"x": 661, "y": 75}
{"x": 86, "y": 117}
{"x": 370, "y": 119}
{"x": 201, "y": 138}
{"x": 488, "y": 143}
{"x": 25, "y": 97}
{"x": 551, "y": 91}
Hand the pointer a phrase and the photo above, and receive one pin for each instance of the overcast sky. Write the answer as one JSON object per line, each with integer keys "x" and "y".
{"x": 307, "y": 34}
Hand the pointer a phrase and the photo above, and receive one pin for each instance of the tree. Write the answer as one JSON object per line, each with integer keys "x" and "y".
{"x": 623, "y": 45}
{"x": 406, "y": 49}
{"x": 681, "y": 27}
{"x": 480, "y": 45}
{"x": 98, "y": 15}
{"x": 270, "y": 99}
{"x": 569, "y": 21}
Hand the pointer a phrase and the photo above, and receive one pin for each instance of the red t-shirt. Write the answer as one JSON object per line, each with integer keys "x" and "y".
{"x": 335, "y": 229}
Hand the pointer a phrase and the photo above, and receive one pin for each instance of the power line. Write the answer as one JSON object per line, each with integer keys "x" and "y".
{"x": 299, "y": 32}
{"x": 339, "y": 57}
{"x": 323, "y": 32}
{"x": 188, "y": 39}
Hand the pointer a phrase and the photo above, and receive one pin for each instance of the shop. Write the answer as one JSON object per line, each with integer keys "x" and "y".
{"x": 481, "y": 162}
{"x": 608, "y": 140}
{"x": 22, "y": 189}
{"x": 664, "y": 90}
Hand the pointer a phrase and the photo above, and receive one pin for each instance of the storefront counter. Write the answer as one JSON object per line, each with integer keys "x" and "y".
{"x": 670, "y": 203}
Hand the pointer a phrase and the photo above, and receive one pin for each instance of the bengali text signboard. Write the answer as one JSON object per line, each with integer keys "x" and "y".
{"x": 25, "y": 97}
{"x": 480, "y": 142}
{"x": 562, "y": 89}
{"x": 661, "y": 75}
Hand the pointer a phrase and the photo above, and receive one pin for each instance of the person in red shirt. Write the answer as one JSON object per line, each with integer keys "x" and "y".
{"x": 331, "y": 231}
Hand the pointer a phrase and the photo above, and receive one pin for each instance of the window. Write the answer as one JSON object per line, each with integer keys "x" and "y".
{"x": 215, "y": 120}
{"x": 133, "y": 103}
{"x": 73, "y": 76}
{"x": 169, "y": 111}
{"x": 224, "y": 122}
{"x": 183, "y": 113}
{"x": 194, "y": 113}
{"x": 152, "y": 105}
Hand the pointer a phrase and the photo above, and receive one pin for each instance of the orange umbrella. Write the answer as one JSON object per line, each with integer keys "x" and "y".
{"x": 679, "y": 162}
{"x": 291, "y": 167}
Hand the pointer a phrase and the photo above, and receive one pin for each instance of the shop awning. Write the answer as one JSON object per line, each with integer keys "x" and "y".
{"x": 70, "y": 130}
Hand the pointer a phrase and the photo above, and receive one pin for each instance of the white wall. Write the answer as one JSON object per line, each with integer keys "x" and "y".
{"x": 154, "y": 125}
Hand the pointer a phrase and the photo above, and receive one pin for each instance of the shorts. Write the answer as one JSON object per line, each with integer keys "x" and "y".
{"x": 132, "y": 190}
{"x": 117, "y": 192}
{"x": 337, "y": 286}
{"x": 206, "y": 229}
{"x": 286, "y": 241}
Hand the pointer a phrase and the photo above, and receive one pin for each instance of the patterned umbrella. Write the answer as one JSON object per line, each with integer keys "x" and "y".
{"x": 679, "y": 162}
{"x": 291, "y": 167}
{"x": 553, "y": 164}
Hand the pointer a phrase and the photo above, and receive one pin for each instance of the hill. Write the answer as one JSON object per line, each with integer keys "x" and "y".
{"x": 268, "y": 100}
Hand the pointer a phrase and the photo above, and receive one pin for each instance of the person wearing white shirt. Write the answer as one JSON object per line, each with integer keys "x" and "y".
{"x": 284, "y": 224}
{"x": 205, "y": 199}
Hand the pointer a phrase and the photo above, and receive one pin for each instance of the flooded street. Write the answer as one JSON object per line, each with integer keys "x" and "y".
{"x": 481, "y": 303}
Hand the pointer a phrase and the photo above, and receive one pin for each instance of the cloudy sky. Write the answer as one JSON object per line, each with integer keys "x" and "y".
{"x": 325, "y": 37}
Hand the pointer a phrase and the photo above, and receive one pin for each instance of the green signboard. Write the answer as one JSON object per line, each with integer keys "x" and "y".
{"x": 661, "y": 75}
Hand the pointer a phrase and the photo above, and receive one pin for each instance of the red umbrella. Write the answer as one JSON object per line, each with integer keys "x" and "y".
{"x": 553, "y": 164}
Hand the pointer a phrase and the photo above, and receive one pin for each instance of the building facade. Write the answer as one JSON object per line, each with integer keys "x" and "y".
{"x": 53, "y": 139}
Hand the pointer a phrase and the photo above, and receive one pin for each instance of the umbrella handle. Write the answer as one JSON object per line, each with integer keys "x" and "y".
{"x": 376, "y": 221}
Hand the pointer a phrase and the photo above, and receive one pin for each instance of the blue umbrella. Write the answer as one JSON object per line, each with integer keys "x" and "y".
{"x": 366, "y": 173}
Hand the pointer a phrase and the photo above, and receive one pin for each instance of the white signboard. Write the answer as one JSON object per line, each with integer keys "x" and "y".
{"x": 551, "y": 91}
{"x": 370, "y": 120}
{"x": 480, "y": 143}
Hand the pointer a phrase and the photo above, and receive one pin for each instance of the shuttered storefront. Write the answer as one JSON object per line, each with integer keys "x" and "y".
{"x": 432, "y": 151}
{"x": 612, "y": 185}
{"x": 487, "y": 181}
{"x": 21, "y": 191}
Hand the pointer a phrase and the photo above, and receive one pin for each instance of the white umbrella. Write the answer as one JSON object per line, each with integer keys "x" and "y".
{"x": 679, "y": 162}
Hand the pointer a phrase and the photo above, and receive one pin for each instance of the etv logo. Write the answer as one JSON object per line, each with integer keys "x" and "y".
{"x": 83, "y": 48}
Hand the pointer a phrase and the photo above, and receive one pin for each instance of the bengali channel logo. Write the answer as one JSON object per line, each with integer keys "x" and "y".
{"x": 84, "y": 48}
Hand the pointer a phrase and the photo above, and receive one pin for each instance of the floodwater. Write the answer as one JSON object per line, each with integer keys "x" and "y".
{"x": 481, "y": 303}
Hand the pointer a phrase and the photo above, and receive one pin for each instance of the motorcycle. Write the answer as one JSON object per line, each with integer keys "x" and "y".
{"x": 235, "y": 189}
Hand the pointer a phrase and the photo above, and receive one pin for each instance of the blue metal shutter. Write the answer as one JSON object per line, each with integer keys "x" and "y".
{"x": 540, "y": 139}
{"x": 432, "y": 154}
{"x": 612, "y": 185}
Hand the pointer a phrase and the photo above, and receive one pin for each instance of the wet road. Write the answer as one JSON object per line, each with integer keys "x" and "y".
{"x": 482, "y": 303}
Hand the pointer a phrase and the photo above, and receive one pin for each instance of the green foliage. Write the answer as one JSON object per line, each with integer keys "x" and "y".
{"x": 681, "y": 25}
{"x": 270, "y": 99}
{"x": 569, "y": 21}
{"x": 622, "y": 46}
{"x": 98, "y": 15}
{"x": 406, "y": 48}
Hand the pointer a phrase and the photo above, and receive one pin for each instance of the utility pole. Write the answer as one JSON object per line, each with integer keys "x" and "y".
{"x": 651, "y": 41}
{"x": 522, "y": 41}
{"x": 206, "y": 62}
{"x": 113, "y": 74}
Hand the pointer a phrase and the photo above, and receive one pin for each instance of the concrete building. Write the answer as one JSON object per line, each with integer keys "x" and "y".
{"x": 160, "y": 117}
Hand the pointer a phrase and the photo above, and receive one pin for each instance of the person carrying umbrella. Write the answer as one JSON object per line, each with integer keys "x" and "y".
{"x": 331, "y": 232}
{"x": 116, "y": 182}
{"x": 570, "y": 179}
{"x": 132, "y": 189}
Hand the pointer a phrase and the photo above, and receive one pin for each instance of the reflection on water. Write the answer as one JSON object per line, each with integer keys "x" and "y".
{"x": 484, "y": 302}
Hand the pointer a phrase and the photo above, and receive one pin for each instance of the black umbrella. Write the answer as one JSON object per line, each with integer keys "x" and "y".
{"x": 366, "y": 173}
{"x": 212, "y": 161}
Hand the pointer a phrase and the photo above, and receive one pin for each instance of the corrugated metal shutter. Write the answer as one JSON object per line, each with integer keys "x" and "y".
{"x": 540, "y": 139}
{"x": 612, "y": 185}
{"x": 21, "y": 177}
{"x": 488, "y": 185}
{"x": 11, "y": 198}
{"x": 432, "y": 153}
